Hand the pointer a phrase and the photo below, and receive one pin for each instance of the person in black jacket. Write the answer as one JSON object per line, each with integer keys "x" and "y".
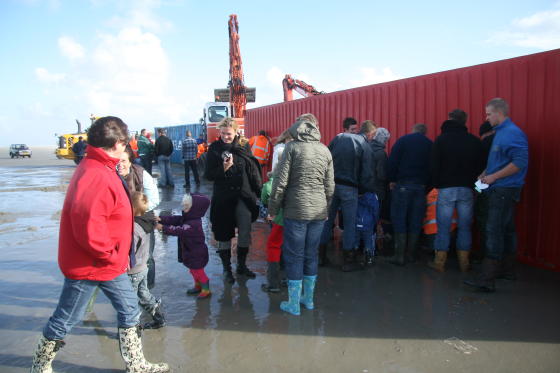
{"x": 456, "y": 161}
{"x": 236, "y": 174}
{"x": 163, "y": 151}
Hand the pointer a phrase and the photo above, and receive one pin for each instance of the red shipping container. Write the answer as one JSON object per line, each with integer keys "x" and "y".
{"x": 530, "y": 84}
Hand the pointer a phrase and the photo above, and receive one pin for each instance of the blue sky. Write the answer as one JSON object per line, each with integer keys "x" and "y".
{"x": 156, "y": 62}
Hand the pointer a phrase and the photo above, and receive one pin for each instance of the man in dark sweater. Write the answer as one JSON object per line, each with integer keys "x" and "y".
{"x": 163, "y": 151}
{"x": 457, "y": 160}
{"x": 409, "y": 176}
{"x": 353, "y": 175}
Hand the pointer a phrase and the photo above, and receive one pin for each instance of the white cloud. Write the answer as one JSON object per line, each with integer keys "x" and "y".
{"x": 140, "y": 13}
{"x": 70, "y": 48}
{"x": 130, "y": 74}
{"x": 274, "y": 76}
{"x": 372, "y": 75}
{"x": 540, "y": 30}
{"x": 46, "y": 77}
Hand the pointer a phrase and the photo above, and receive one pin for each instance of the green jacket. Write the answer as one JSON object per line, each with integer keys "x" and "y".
{"x": 304, "y": 180}
{"x": 265, "y": 194}
{"x": 145, "y": 146}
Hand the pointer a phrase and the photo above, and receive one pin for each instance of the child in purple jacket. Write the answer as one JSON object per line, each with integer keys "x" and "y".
{"x": 192, "y": 250}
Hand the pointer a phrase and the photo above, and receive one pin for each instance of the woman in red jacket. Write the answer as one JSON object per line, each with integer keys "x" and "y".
{"x": 94, "y": 248}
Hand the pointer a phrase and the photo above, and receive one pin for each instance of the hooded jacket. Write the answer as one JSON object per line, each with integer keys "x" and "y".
{"x": 457, "y": 157}
{"x": 143, "y": 226}
{"x": 304, "y": 181}
{"x": 191, "y": 244}
{"x": 96, "y": 221}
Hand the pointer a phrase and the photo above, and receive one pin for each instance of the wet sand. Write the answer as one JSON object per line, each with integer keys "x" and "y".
{"x": 383, "y": 319}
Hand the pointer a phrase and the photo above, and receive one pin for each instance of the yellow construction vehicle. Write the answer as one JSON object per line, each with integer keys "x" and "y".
{"x": 65, "y": 142}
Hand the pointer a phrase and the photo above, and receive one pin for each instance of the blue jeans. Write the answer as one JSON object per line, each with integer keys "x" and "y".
{"x": 165, "y": 177}
{"x": 140, "y": 284}
{"x": 449, "y": 199}
{"x": 75, "y": 297}
{"x": 345, "y": 198}
{"x": 408, "y": 207}
{"x": 299, "y": 250}
{"x": 501, "y": 238}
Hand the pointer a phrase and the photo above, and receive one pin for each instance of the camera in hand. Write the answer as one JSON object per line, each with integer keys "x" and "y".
{"x": 226, "y": 155}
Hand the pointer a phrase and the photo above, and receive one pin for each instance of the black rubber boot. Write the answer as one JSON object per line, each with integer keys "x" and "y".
{"x": 485, "y": 280}
{"x": 349, "y": 261}
{"x": 411, "y": 247}
{"x": 323, "y": 259}
{"x": 507, "y": 268}
{"x": 159, "y": 319}
{"x": 273, "y": 278}
{"x": 400, "y": 247}
{"x": 225, "y": 256}
{"x": 241, "y": 263}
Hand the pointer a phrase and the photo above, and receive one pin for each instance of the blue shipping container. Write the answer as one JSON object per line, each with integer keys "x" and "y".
{"x": 177, "y": 134}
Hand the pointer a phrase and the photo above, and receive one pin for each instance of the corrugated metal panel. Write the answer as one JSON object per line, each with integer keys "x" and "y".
{"x": 531, "y": 85}
{"x": 177, "y": 134}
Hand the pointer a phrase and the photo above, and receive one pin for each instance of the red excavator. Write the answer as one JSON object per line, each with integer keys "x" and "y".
{"x": 237, "y": 94}
{"x": 301, "y": 87}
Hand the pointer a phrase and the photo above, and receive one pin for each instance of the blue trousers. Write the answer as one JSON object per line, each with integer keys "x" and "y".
{"x": 501, "y": 238}
{"x": 408, "y": 207}
{"x": 75, "y": 297}
{"x": 449, "y": 199}
{"x": 165, "y": 177}
{"x": 345, "y": 198}
{"x": 299, "y": 250}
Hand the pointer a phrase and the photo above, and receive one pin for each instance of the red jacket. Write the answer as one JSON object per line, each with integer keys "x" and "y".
{"x": 96, "y": 223}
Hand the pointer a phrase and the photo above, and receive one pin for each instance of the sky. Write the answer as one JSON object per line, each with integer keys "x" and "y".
{"x": 157, "y": 62}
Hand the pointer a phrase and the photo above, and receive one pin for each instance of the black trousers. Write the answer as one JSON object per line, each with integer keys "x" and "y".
{"x": 191, "y": 165}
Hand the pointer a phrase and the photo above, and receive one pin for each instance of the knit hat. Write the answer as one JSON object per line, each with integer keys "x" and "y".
{"x": 382, "y": 135}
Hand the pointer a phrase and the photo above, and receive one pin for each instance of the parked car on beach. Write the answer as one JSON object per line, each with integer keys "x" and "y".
{"x": 19, "y": 150}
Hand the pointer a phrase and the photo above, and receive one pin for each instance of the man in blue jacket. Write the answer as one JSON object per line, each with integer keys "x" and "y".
{"x": 409, "y": 176}
{"x": 353, "y": 175}
{"x": 505, "y": 174}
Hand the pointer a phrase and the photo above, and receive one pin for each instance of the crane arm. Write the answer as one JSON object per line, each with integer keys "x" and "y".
{"x": 289, "y": 84}
{"x": 238, "y": 96}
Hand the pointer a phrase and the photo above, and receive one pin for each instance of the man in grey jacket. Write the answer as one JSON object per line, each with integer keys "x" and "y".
{"x": 353, "y": 175}
{"x": 303, "y": 187}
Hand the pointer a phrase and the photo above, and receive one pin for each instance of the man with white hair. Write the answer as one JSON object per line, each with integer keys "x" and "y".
{"x": 505, "y": 174}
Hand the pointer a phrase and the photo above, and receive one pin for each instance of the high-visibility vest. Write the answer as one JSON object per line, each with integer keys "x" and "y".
{"x": 260, "y": 147}
{"x": 430, "y": 221}
{"x": 134, "y": 145}
{"x": 201, "y": 150}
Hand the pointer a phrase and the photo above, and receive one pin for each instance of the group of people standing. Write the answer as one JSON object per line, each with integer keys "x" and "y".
{"x": 105, "y": 231}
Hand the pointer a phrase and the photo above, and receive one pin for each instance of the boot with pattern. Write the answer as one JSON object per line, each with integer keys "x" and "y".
{"x": 195, "y": 290}
{"x": 205, "y": 290}
{"x": 294, "y": 295}
{"x": 130, "y": 345}
{"x": 44, "y": 355}
{"x": 308, "y": 290}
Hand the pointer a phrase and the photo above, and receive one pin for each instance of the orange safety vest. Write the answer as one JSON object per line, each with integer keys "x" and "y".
{"x": 430, "y": 222}
{"x": 260, "y": 147}
{"x": 134, "y": 145}
{"x": 201, "y": 150}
